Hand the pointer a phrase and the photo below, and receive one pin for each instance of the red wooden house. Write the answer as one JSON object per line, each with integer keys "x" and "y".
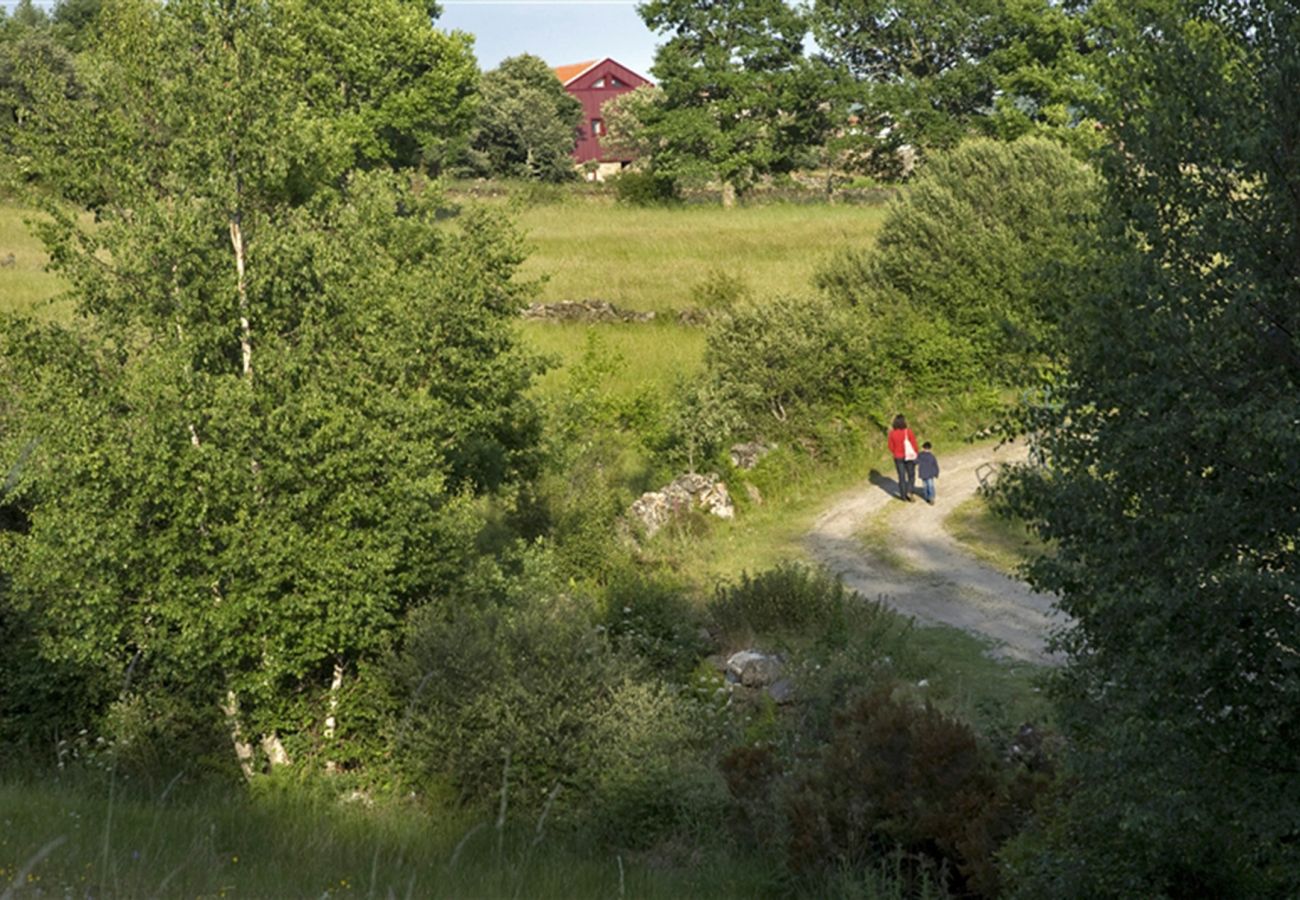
{"x": 594, "y": 83}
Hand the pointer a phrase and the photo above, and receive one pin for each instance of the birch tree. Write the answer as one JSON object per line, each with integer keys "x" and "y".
{"x": 259, "y": 443}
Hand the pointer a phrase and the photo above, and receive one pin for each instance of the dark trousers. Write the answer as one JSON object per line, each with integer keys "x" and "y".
{"x": 906, "y": 477}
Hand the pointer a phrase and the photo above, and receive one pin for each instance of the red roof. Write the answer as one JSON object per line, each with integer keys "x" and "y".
{"x": 572, "y": 71}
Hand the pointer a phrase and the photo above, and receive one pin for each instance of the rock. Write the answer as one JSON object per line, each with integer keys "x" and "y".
{"x": 694, "y": 317}
{"x": 655, "y": 509}
{"x": 782, "y": 691}
{"x": 747, "y": 455}
{"x": 753, "y": 669}
{"x": 584, "y": 311}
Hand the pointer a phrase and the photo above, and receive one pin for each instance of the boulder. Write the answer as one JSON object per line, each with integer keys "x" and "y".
{"x": 781, "y": 691}
{"x": 655, "y": 509}
{"x": 747, "y": 455}
{"x": 753, "y": 669}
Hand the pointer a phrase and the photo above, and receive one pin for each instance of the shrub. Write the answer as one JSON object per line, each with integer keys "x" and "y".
{"x": 648, "y": 188}
{"x": 485, "y": 681}
{"x": 965, "y": 276}
{"x": 720, "y": 290}
{"x": 789, "y": 597}
{"x": 654, "y": 772}
{"x": 897, "y": 776}
{"x": 655, "y": 622}
{"x": 526, "y": 696}
{"x": 779, "y": 361}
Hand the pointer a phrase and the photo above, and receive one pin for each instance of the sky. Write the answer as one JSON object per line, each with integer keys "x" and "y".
{"x": 559, "y": 31}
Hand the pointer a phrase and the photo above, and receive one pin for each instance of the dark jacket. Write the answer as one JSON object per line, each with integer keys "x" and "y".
{"x": 926, "y": 465}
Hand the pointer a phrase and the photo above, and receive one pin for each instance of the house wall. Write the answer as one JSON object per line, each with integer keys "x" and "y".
{"x": 594, "y": 88}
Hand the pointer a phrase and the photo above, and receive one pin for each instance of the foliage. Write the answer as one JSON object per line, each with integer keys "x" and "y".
{"x": 259, "y": 443}
{"x": 736, "y": 101}
{"x": 789, "y": 597}
{"x": 527, "y": 123}
{"x": 1170, "y": 470}
{"x": 655, "y": 621}
{"x": 646, "y": 187}
{"x": 163, "y": 839}
{"x": 926, "y": 75}
{"x": 897, "y": 776}
{"x": 965, "y": 277}
{"x": 778, "y": 360}
{"x": 523, "y": 694}
{"x": 626, "y": 116}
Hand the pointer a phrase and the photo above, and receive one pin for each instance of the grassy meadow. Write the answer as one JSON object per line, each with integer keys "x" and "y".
{"x": 24, "y": 283}
{"x": 1005, "y": 545}
{"x": 121, "y": 839}
{"x": 652, "y": 259}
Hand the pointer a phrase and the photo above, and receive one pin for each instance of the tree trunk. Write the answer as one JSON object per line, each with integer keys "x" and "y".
{"x": 245, "y": 327}
{"x": 728, "y": 195}
{"x": 331, "y": 723}
{"x": 243, "y": 749}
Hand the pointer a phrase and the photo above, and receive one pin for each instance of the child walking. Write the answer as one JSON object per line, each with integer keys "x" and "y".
{"x": 927, "y": 468}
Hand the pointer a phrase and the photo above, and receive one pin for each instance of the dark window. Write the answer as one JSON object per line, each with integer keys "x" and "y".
{"x": 597, "y": 127}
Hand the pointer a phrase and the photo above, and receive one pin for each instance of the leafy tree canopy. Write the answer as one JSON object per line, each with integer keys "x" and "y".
{"x": 962, "y": 282}
{"x": 928, "y": 74}
{"x": 257, "y": 445}
{"x": 738, "y": 98}
{"x": 527, "y": 123}
{"x": 1171, "y": 485}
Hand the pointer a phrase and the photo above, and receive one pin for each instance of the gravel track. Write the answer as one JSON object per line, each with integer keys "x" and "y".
{"x": 930, "y": 576}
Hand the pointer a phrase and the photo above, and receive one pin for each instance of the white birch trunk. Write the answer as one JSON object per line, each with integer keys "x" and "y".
{"x": 241, "y": 286}
{"x": 331, "y": 721}
{"x": 243, "y": 749}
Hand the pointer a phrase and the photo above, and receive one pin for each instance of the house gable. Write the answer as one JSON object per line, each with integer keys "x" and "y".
{"x": 594, "y": 83}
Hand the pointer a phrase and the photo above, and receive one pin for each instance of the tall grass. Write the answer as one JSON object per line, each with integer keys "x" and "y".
{"x": 651, "y": 259}
{"x": 290, "y": 843}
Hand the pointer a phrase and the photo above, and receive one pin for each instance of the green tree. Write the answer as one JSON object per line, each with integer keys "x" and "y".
{"x": 738, "y": 98}
{"x": 527, "y": 123}
{"x": 258, "y": 444}
{"x": 1171, "y": 484}
{"x": 927, "y": 75}
{"x": 961, "y": 286}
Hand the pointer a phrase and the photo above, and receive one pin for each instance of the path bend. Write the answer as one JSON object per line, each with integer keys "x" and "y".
{"x": 938, "y": 582}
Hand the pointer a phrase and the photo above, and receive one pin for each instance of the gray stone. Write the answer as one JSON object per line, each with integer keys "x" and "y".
{"x": 753, "y": 669}
{"x": 584, "y": 311}
{"x": 782, "y": 691}
{"x": 655, "y": 509}
{"x": 747, "y": 455}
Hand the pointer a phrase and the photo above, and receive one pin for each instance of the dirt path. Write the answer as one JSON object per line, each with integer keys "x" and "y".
{"x": 930, "y": 576}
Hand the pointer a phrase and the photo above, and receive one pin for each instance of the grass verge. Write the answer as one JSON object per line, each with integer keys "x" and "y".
{"x": 1005, "y": 545}
{"x": 60, "y": 839}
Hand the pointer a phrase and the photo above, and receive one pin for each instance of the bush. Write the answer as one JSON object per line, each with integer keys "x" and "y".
{"x": 964, "y": 281}
{"x": 780, "y": 361}
{"x": 902, "y": 777}
{"x": 655, "y": 622}
{"x": 528, "y": 697}
{"x": 788, "y": 598}
{"x": 646, "y": 189}
{"x": 488, "y": 682}
{"x": 720, "y": 290}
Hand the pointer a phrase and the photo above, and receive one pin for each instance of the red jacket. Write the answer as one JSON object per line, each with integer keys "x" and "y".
{"x": 896, "y": 437}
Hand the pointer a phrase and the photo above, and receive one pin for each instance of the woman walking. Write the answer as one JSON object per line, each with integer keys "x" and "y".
{"x": 902, "y": 444}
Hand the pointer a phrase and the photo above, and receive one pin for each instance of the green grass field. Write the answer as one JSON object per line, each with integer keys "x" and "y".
{"x": 24, "y": 283}
{"x": 651, "y": 259}
{"x": 109, "y": 839}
